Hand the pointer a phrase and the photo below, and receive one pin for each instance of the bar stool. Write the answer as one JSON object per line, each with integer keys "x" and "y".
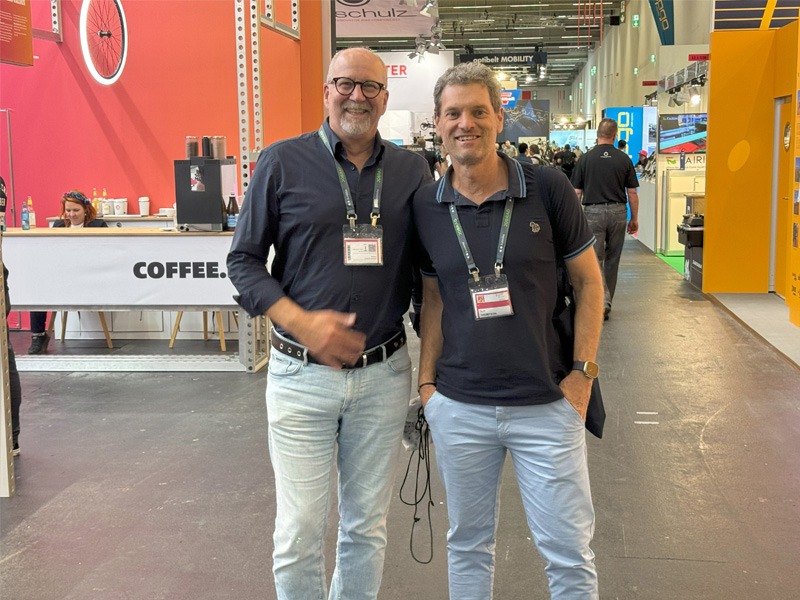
{"x": 64, "y": 314}
{"x": 220, "y": 328}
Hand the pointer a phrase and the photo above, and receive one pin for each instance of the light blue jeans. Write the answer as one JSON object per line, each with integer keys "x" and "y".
{"x": 316, "y": 413}
{"x": 547, "y": 444}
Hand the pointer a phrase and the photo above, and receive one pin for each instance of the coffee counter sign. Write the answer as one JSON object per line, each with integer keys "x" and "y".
{"x": 136, "y": 270}
{"x": 178, "y": 270}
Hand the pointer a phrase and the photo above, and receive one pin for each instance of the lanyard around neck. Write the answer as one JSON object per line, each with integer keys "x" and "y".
{"x": 501, "y": 243}
{"x": 348, "y": 198}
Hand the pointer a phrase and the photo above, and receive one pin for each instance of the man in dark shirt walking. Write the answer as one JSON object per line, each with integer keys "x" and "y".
{"x": 565, "y": 160}
{"x": 339, "y": 372}
{"x": 605, "y": 181}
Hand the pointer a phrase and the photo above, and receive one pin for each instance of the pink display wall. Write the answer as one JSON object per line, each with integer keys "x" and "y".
{"x": 68, "y": 131}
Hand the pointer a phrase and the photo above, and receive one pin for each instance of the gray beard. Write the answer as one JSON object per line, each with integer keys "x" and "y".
{"x": 354, "y": 128}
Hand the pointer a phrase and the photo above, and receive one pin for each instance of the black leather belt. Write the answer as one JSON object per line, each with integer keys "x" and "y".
{"x": 369, "y": 357}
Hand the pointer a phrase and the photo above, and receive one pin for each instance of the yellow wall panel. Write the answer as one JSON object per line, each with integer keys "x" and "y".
{"x": 786, "y": 49}
{"x": 738, "y": 171}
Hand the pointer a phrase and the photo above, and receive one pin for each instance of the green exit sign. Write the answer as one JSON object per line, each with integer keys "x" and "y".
{"x": 635, "y": 21}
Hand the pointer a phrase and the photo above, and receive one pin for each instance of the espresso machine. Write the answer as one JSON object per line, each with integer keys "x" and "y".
{"x": 201, "y": 186}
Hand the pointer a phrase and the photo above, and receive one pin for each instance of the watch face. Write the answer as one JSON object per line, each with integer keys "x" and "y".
{"x": 591, "y": 369}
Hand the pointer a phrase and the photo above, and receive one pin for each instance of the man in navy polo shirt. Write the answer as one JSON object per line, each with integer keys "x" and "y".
{"x": 492, "y": 229}
{"x": 336, "y": 206}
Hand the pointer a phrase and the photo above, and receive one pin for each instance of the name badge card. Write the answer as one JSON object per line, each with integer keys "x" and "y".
{"x": 363, "y": 246}
{"x": 490, "y": 297}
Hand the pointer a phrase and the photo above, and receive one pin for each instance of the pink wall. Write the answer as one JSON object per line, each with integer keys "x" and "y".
{"x": 71, "y": 132}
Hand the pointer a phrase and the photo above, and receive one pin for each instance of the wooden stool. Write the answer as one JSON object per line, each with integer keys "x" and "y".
{"x": 64, "y": 314}
{"x": 220, "y": 328}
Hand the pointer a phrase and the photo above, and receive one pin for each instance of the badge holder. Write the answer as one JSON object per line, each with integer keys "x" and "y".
{"x": 363, "y": 245}
{"x": 490, "y": 296}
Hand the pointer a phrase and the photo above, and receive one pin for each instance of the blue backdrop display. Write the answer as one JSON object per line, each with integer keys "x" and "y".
{"x": 526, "y": 118}
{"x": 632, "y": 128}
{"x": 583, "y": 138}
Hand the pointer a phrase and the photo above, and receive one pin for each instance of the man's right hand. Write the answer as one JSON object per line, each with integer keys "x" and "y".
{"x": 330, "y": 337}
{"x": 425, "y": 393}
{"x": 328, "y": 334}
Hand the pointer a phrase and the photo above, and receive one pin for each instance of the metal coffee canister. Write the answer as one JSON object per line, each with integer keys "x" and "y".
{"x": 192, "y": 146}
{"x": 218, "y": 147}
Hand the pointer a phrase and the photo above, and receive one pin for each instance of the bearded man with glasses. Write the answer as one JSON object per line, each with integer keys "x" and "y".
{"x": 339, "y": 373}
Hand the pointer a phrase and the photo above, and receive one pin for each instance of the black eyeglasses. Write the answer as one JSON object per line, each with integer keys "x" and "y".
{"x": 77, "y": 196}
{"x": 345, "y": 86}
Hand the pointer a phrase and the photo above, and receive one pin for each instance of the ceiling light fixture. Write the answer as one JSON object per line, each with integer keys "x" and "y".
{"x": 431, "y": 9}
{"x": 694, "y": 95}
{"x": 419, "y": 51}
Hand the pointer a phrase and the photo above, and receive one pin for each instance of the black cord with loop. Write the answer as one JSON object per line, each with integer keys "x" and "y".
{"x": 423, "y": 459}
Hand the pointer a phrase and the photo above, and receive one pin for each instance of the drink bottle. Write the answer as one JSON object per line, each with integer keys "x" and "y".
{"x": 26, "y": 224}
{"x": 232, "y": 212}
{"x": 31, "y": 214}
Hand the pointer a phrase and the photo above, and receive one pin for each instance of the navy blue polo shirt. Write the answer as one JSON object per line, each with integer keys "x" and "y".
{"x": 505, "y": 360}
{"x": 295, "y": 204}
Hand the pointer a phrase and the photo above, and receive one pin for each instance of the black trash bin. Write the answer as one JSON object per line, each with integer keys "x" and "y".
{"x": 690, "y": 234}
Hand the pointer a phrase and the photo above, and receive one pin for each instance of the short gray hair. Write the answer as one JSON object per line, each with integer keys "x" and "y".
{"x": 465, "y": 74}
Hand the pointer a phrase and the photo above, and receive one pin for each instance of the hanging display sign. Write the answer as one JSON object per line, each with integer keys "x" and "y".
{"x": 506, "y": 60}
{"x": 664, "y": 15}
{"x": 379, "y": 18}
{"x": 16, "y": 34}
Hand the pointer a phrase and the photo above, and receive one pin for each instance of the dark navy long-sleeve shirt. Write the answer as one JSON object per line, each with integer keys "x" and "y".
{"x": 295, "y": 204}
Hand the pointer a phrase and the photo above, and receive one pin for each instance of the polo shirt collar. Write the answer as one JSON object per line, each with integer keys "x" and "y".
{"x": 517, "y": 187}
{"x": 338, "y": 147}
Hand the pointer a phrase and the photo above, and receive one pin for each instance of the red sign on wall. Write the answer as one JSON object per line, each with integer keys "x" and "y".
{"x": 16, "y": 37}
{"x": 648, "y": 82}
{"x": 698, "y": 57}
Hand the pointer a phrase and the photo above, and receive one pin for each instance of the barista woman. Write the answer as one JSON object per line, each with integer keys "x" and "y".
{"x": 76, "y": 211}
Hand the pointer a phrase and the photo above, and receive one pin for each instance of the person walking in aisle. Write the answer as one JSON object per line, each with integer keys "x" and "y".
{"x": 493, "y": 231}
{"x": 605, "y": 181}
{"x": 339, "y": 376}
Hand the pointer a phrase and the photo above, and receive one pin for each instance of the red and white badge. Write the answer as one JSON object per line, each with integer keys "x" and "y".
{"x": 491, "y": 297}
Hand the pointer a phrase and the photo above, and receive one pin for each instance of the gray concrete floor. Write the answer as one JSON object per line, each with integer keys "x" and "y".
{"x": 158, "y": 486}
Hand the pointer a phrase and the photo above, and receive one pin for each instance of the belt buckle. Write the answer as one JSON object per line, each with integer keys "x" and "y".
{"x": 364, "y": 358}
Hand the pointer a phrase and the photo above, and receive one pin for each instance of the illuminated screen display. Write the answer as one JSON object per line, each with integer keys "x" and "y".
{"x": 682, "y": 133}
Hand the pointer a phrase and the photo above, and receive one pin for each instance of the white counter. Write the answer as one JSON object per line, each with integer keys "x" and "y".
{"x": 142, "y": 277}
{"x": 147, "y": 222}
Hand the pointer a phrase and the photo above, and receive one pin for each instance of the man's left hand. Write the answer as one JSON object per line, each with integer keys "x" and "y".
{"x": 577, "y": 388}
